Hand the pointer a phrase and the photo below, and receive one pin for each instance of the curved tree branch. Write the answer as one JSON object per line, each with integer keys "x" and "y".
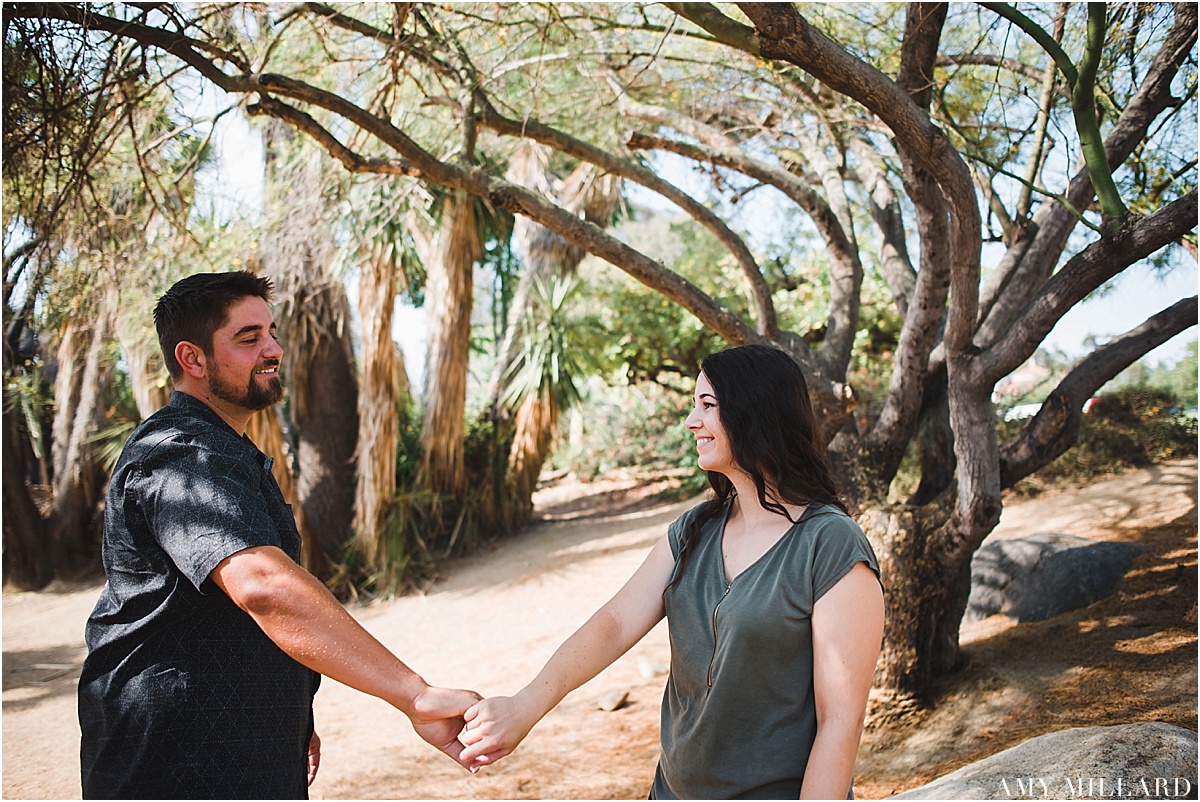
{"x": 846, "y": 270}
{"x": 1027, "y": 265}
{"x": 1055, "y": 427}
{"x": 1082, "y": 275}
{"x": 489, "y": 117}
{"x": 1039, "y": 35}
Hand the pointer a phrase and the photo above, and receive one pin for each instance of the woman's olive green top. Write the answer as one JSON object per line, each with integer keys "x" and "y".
{"x": 738, "y": 715}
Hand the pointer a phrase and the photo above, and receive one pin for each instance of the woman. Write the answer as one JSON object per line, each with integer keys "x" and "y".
{"x": 772, "y": 599}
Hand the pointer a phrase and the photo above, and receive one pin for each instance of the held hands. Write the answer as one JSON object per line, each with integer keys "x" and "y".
{"x": 494, "y": 728}
{"x": 437, "y": 716}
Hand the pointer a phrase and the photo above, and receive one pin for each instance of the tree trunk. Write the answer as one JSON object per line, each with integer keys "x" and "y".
{"x": 378, "y": 430}
{"x": 265, "y": 430}
{"x": 328, "y": 427}
{"x": 450, "y": 293}
{"x": 27, "y": 564}
{"x": 935, "y": 441}
{"x": 77, "y": 485}
{"x": 905, "y": 539}
{"x": 318, "y": 360}
{"x": 536, "y": 423}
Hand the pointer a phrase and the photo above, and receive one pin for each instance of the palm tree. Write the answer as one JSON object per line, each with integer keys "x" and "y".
{"x": 545, "y": 257}
{"x": 378, "y": 403}
{"x": 450, "y": 260}
{"x": 541, "y": 384}
{"x": 314, "y": 322}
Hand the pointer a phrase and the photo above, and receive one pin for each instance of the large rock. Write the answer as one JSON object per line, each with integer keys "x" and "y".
{"x": 1150, "y": 760}
{"x": 1033, "y": 578}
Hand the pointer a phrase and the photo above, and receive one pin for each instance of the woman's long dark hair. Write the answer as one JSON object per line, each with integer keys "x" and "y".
{"x": 763, "y": 404}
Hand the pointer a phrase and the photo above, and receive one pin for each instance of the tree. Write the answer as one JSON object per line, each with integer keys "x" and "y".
{"x": 89, "y": 199}
{"x": 314, "y": 322}
{"x": 846, "y": 126}
{"x": 531, "y": 372}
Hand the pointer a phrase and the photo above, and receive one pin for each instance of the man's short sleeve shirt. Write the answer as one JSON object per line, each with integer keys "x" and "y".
{"x": 182, "y": 694}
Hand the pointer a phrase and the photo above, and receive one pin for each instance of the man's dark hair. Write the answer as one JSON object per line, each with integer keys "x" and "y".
{"x": 195, "y": 307}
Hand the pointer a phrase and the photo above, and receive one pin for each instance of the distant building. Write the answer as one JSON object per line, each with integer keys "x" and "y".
{"x": 1020, "y": 382}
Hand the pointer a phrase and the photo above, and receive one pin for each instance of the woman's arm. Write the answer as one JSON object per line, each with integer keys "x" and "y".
{"x": 847, "y": 631}
{"x": 497, "y": 725}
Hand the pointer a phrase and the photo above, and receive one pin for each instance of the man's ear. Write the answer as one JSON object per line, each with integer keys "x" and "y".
{"x": 191, "y": 358}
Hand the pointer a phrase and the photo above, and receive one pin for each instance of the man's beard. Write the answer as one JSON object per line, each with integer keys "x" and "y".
{"x": 253, "y": 396}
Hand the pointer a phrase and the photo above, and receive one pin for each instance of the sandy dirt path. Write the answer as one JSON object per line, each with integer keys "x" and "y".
{"x": 492, "y": 621}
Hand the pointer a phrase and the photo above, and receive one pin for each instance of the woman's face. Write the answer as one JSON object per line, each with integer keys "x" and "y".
{"x": 714, "y": 452}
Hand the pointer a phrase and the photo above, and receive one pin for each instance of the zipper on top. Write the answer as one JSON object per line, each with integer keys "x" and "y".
{"x": 715, "y": 637}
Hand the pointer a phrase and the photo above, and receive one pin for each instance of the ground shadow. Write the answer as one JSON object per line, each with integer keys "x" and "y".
{"x": 32, "y": 676}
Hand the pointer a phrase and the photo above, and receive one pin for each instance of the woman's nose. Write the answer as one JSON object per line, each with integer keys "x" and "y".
{"x": 691, "y": 422}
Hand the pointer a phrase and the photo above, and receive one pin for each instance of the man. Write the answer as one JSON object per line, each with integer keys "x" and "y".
{"x": 208, "y": 641}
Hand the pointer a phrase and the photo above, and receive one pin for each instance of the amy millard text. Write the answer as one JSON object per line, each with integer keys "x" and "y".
{"x": 1097, "y": 787}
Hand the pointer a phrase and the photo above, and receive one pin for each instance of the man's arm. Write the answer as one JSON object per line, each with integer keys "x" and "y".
{"x": 303, "y": 618}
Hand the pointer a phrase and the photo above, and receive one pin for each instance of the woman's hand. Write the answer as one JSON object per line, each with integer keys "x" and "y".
{"x": 495, "y": 727}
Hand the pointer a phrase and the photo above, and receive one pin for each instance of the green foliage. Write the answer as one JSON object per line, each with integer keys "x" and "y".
{"x": 552, "y": 360}
{"x": 1131, "y": 428}
{"x": 32, "y": 398}
{"x": 1177, "y": 381}
{"x": 651, "y": 339}
{"x": 637, "y": 428}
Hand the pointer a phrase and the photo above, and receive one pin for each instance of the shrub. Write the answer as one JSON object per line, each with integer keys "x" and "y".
{"x": 634, "y": 429}
{"x": 1130, "y": 428}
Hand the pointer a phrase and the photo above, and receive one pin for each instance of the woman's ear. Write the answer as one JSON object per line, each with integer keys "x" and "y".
{"x": 191, "y": 359}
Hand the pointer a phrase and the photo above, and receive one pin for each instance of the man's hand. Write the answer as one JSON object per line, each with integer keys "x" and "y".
{"x": 437, "y": 716}
{"x": 314, "y": 757}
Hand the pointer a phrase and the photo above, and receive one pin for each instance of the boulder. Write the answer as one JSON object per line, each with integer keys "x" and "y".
{"x": 1036, "y": 577}
{"x": 1149, "y": 760}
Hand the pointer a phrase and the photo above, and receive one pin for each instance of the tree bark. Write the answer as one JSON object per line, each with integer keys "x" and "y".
{"x": 328, "y": 428}
{"x": 78, "y": 484}
{"x": 378, "y": 427}
{"x": 27, "y": 563}
{"x": 904, "y": 539}
{"x": 450, "y": 295}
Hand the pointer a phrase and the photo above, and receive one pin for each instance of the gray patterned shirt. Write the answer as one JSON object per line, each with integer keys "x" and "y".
{"x": 182, "y": 695}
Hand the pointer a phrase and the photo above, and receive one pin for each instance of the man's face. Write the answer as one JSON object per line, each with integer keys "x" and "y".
{"x": 244, "y": 363}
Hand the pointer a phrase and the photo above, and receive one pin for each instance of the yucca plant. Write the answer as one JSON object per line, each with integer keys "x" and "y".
{"x": 543, "y": 381}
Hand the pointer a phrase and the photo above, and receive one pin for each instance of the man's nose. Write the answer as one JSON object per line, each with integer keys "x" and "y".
{"x": 273, "y": 350}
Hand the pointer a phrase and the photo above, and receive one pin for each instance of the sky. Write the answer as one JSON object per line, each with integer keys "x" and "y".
{"x": 236, "y": 187}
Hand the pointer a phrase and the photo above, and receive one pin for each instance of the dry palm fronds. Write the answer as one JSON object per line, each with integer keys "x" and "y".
{"x": 265, "y": 430}
{"x": 536, "y": 423}
{"x": 378, "y": 430}
{"x": 450, "y": 296}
